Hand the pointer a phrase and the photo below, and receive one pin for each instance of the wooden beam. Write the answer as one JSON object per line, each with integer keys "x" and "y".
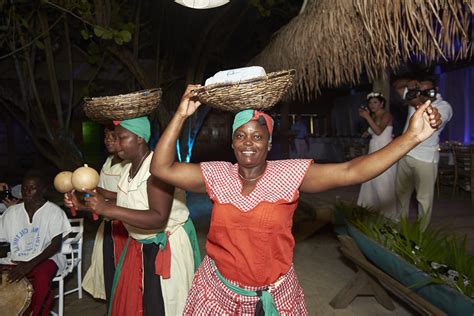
{"x": 367, "y": 282}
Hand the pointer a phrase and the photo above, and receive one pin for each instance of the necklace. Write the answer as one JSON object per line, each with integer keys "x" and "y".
{"x": 131, "y": 174}
{"x": 252, "y": 179}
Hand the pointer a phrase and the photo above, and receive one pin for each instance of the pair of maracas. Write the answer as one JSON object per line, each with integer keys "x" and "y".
{"x": 82, "y": 178}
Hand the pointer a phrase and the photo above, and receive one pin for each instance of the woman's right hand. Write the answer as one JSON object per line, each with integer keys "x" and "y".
{"x": 189, "y": 103}
{"x": 364, "y": 112}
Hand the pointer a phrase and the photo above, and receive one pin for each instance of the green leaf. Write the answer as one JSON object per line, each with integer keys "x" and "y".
{"x": 128, "y": 27}
{"x": 39, "y": 44}
{"x": 24, "y": 23}
{"x": 118, "y": 40}
{"x": 125, "y": 35}
{"x": 85, "y": 34}
{"x": 108, "y": 34}
{"x": 99, "y": 31}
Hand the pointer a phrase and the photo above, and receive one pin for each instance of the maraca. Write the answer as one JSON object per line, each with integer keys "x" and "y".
{"x": 63, "y": 184}
{"x": 85, "y": 178}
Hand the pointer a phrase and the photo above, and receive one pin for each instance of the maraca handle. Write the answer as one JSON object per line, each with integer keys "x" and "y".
{"x": 73, "y": 209}
{"x": 94, "y": 215}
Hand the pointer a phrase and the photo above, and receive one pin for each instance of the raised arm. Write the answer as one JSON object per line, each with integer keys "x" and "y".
{"x": 164, "y": 166}
{"x": 321, "y": 177}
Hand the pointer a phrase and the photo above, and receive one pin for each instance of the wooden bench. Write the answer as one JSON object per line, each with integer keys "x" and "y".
{"x": 371, "y": 281}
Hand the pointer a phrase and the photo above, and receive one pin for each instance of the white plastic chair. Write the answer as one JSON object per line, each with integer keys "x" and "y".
{"x": 72, "y": 249}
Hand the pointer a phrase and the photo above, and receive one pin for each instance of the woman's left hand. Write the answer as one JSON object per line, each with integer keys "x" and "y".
{"x": 424, "y": 121}
{"x": 95, "y": 202}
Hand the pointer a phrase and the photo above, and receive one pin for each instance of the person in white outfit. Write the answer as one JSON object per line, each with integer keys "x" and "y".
{"x": 35, "y": 230}
{"x": 157, "y": 265}
{"x": 379, "y": 193}
{"x": 111, "y": 235}
{"x": 418, "y": 169}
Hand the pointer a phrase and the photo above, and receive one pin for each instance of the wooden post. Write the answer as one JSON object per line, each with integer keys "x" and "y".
{"x": 285, "y": 130}
{"x": 382, "y": 84}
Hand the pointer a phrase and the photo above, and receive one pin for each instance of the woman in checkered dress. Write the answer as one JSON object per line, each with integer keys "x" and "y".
{"x": 248, "y": 269}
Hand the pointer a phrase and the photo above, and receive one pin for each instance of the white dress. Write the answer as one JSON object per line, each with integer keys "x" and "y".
{"x": 134, "y": 195}
{"x": 379, "y": 193}
{"x": 93, "y": 281}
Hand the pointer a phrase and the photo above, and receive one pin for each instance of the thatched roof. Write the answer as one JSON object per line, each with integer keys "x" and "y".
{"x": 333, "y": 41}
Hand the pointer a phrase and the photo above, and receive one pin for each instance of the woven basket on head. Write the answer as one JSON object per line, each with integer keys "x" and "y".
{"x": 123, "y": 106}
{"x": 256, "y": 93}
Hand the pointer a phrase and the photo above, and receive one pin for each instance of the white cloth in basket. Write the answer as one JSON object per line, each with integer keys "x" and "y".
{"x": 236, "y": 75}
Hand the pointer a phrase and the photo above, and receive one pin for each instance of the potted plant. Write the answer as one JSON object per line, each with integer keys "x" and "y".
{"x": 432, "y": 263}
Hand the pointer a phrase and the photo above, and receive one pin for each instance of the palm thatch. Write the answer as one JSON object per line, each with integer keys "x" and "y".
{"x": 333, "y": 41}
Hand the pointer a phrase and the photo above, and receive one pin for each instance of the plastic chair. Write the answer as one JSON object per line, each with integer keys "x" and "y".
{"x": 446, "y": 171}
{"x": 464, "y": 169}
{"x": 72, "y": 249}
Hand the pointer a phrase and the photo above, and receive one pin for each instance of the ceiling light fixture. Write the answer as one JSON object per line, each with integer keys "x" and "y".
{"x": 202, "y": 4}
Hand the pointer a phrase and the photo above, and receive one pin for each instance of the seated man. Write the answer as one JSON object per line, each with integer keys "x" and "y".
{"x": 35, "y": 230}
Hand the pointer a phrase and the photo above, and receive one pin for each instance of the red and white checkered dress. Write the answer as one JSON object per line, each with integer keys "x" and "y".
{"x": 281, "y": 181}
{"x": 209, "y": 296}
{"x": 278, "y": 186}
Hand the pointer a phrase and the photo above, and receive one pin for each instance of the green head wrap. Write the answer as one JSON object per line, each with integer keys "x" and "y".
{"x": 139, "y": 126}
{"x": 245, "y": 116}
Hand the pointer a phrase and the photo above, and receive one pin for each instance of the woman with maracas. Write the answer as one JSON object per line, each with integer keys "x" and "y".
{"x": 156, "y": 268}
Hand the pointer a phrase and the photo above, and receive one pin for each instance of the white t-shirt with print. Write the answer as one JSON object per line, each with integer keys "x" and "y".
{"x": 27, "y": 240}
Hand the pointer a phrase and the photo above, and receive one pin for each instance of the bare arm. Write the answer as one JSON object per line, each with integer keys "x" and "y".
{"x": 327, "y": 176}
{"x": 164, "y": 166}
{"x": 321, "y": 177}
{"x": 160, "y": 199}
{"x": 108, "y": 195}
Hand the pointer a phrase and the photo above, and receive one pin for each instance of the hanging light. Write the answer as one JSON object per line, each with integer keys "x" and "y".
{"x": 202, "y": 4}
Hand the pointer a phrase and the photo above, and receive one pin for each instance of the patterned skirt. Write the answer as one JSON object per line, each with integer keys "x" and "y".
{"x": 209, "y": 296}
